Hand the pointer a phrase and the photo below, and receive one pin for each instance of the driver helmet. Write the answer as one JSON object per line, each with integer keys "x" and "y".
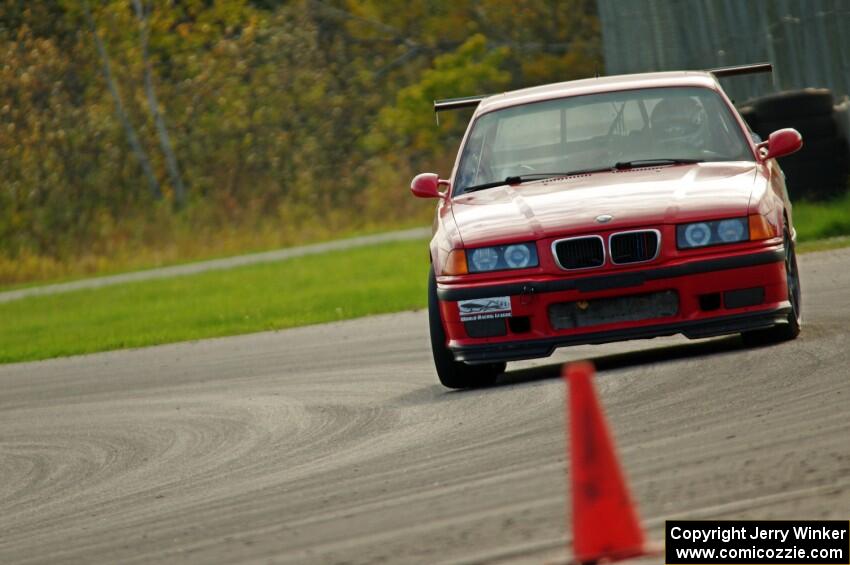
{"x": 679, "y": 121}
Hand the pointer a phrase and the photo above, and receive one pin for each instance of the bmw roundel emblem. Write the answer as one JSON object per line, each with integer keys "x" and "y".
{"x": 604, "y": 218}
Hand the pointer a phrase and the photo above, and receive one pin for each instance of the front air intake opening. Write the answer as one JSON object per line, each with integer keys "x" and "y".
{"x": 486, "y": 328}
{"x": 519, "y": 324}
{"x": 709, "y": 302}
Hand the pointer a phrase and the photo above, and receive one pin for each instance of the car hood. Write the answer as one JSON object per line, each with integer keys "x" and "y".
{"x": 633, "y": 197}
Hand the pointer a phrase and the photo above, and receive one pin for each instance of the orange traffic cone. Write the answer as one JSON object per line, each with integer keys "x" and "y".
{"x": 605, "y": 521}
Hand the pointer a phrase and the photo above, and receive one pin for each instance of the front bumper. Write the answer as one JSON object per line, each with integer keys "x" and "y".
{"x": 694, "y": 329}
{"x": 692, "y": 281}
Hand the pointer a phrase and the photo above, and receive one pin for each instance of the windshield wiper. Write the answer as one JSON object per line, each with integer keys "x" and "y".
{"x": 582, "y": 171}
{"x": 519, "y": 179}
{"x": 484, "y": 185}
{"x": 654, "y": 162}
{"x": 516, "y": 179}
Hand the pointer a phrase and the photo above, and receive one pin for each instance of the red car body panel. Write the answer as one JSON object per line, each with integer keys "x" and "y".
{"x": 655, "y": 198}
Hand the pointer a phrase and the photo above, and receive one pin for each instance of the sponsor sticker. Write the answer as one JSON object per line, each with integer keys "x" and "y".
{"x": 484, "y": 308}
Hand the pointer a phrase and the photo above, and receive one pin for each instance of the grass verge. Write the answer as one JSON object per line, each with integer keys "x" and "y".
{"x": 822, "y": 220}
{"x": 347, "y": 284}
{"x": 824, "y": 244}
{"x": 186, "y": 245}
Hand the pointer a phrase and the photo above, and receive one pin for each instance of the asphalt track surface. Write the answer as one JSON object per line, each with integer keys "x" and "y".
{"x": 335, "y": 444}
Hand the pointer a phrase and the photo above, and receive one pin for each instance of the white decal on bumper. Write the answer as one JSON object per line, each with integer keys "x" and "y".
{"x": 484, "y": 308}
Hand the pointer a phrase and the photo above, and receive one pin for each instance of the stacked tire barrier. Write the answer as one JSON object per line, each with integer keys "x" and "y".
{"x": 820, "y": 169}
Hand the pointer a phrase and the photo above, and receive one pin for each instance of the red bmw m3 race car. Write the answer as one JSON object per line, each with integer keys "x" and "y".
{"x": 607, "y": 209}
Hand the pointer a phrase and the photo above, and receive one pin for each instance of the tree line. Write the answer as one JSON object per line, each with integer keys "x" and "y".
{"x": 120, "y": 119}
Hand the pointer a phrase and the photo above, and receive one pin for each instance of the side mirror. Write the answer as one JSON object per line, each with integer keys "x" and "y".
{"x": 426, "y": 185}
{"x": 781, "y": 143}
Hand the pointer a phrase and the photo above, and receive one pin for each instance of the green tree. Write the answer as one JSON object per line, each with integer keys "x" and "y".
{"x": 280, "y": 117}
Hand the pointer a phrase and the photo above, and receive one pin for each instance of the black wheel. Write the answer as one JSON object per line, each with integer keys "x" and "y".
{"x": 454, "y": 374}
{"x": 815, "y": 181}
{"x": 790, "y": 330}
{"x": 794, "y": 104}
{"x": 811, "y": 127}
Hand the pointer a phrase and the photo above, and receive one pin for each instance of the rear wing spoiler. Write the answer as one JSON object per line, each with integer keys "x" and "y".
{"x": 473, "y": 101}
{"x": 742, "y": 70}
{"x": 458, "y": 103}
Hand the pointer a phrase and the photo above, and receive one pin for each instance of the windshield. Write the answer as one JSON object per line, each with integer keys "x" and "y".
{"x": 598, "y": 131}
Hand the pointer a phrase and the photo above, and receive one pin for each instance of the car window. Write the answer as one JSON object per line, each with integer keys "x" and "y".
{"x": 597, "y": 131}
{"x": 528, "y": 129}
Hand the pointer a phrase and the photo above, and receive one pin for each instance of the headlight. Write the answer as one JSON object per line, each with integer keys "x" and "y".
{"x": 515, "y": 256}
{"x": 732, "y": 230}
{"x": 484, "y": 259}
{"x": 700, "y": 234}
{"x": 697, "y": 235}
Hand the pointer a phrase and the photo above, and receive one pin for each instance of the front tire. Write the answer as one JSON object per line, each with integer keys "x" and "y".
{"x": 790, "y": 330}
{"x": 454, "y": 374}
